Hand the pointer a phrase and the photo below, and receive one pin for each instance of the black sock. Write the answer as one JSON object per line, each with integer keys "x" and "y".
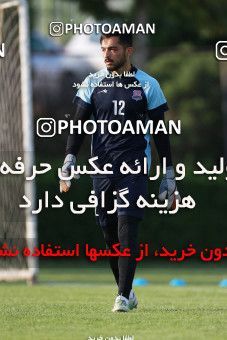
{"x": 127, "y": 234}
{"x": 110, "y": 233}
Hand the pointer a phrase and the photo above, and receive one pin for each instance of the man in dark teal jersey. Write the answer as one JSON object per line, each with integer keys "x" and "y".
{"x": 124, "y": 93}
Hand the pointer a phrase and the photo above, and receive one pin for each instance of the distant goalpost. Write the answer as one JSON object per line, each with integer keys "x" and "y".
{"x": 17, "y": 226}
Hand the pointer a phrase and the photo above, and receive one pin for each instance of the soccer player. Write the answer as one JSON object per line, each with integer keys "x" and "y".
{"x": 138, "y": 97}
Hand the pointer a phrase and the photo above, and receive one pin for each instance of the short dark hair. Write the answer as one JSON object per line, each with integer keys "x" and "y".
{"x": 124, "y": 38}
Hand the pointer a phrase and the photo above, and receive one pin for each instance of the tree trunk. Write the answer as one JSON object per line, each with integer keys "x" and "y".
{"x": 140, "y": 40}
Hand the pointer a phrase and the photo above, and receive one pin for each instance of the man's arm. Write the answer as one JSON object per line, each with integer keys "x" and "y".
{"x": 82, "y": 113}
{"x": 162, "y": 143}
{"x": 74, "y": 141}
{"x": 161, "y": 140}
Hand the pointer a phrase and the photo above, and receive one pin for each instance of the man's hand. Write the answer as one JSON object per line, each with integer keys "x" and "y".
{"x": 168, "y": 188}
{"x": 69, "y": 161}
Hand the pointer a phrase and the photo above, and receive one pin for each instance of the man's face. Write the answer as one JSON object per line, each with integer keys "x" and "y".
{"x": 115, "y": 55}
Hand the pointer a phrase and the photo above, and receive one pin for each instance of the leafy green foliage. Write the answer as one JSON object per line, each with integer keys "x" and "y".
{"x": 190, "y": 81}
{"x": 199, "y": 22}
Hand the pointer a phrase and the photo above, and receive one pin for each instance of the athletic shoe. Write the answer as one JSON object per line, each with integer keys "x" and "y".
{"x": 133, "y": 302}
{"x": 121, "y": 304}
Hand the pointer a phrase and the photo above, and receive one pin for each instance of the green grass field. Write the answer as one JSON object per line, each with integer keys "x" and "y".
{"x": 75, "y": 303}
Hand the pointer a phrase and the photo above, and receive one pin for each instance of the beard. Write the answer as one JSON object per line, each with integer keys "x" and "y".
{"x": 116, "y": 65}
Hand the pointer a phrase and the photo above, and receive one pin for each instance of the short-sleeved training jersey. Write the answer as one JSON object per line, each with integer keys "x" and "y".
{"x": 135, "y": 97}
